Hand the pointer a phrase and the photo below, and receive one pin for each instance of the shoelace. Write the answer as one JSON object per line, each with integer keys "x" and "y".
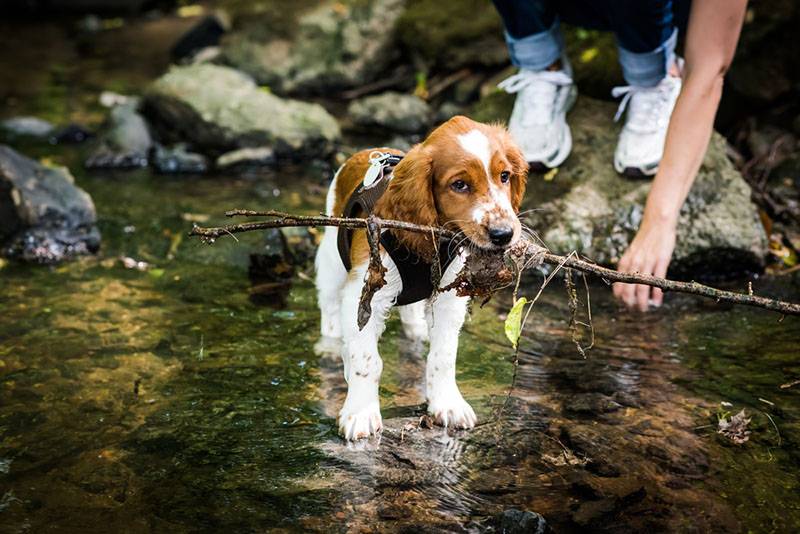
{"x": 646, "y": 106}
{"x": 541, "y": 88}
{"x": 525, "y": 78}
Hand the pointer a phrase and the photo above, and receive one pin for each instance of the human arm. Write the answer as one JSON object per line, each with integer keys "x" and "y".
{"x": 714, "y": 28}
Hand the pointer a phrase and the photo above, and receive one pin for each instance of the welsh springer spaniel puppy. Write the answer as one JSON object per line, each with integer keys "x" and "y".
{"x": 466, "y": 176}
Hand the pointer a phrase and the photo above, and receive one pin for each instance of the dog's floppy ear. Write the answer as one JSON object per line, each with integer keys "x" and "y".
{"x": 410, "y": 198}
{"x": 519, "y": 170}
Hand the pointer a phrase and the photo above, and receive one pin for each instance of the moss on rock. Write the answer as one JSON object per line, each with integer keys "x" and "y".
{"x": 589, "y": 208}
{"x": 220, "y": 109}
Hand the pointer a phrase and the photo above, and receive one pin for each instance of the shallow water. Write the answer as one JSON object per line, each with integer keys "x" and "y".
{"x": 166, "y": 400}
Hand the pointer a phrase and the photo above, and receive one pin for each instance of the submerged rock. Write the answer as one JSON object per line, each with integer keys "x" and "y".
{"x": 44, "y": 217}
{"x": 589, "y": 208}
{"x": 337, "y": 45}
{"x": 125, "y": 143}
{"x": 393, "y": 111}
{"x": 514, "y": 521}
{"x": 220, "y": 109}
{"x": 271, "y": 270}
{"x": 178, "y": 160}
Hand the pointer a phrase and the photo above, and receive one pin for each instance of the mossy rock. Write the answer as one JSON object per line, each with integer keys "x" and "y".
{"x": 332, "y": 47}
{"x": 453, "y": 33}
{"x": 587, "y": 207}
{"x": 219, "y": 109}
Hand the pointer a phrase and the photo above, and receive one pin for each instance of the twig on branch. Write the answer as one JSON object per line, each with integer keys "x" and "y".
{"x": 375, "y": 273}
{"x": 571, "y": 261}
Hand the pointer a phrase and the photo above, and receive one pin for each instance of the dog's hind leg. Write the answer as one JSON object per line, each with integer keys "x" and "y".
{"x": 330, "y": 278}
{"x": 412, "y": 316}
{"x": 360, "y": 416}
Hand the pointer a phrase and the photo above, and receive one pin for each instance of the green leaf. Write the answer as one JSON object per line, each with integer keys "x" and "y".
{"x": 514, "y": 321}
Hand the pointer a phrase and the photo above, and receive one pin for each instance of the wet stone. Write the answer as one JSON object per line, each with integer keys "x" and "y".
{"x": 27, "y": 127}
{"x": 247, "y": 159}
{"x": 271, "y": 270}
{"x": 44, "y": 217}
{"x": 391, "y": 110}
{"x": 515, "y": 521}
{"x": 219, "y": 109}
{"x": 124, "y": 143}
{"x": 591, "y": 404}
{"x": 178, "y": 160}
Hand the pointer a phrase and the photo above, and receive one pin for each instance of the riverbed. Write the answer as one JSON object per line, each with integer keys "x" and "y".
{"x": 166, "y": 399}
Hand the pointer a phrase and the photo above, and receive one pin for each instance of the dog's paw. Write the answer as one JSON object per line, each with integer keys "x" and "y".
{"x": 327, "y": 346}
{"x": 451, "y": 410}
{"x": 361, "y": 422}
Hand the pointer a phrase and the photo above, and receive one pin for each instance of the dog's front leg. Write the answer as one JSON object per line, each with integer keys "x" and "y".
{"x": 445, "y": 402}
{"x": 361, "y": 416}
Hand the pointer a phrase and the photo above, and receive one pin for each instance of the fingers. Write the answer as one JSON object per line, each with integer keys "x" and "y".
{"x": 660, "y": 271}
{"x": 642, "y": 297}
{"x": 619, "y": 289}
{"x": 635, "y": 296}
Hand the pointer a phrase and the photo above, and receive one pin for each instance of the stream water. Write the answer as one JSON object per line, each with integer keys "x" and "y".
{"x": 167, "y": 401}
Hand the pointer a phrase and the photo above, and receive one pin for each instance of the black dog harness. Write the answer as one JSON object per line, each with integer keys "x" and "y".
{"x": 416, "y": 274}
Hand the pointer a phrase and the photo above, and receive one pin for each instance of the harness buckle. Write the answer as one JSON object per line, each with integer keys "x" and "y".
{"x": 377, "y": 161}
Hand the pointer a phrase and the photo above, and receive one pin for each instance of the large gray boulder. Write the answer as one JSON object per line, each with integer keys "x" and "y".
{"x": 392, "y": 111}
{"x": 589, "y": 208}
{"x": 44, "y": 217}
{"x": 218, "y": 109}
{"x": 336, "y": 45}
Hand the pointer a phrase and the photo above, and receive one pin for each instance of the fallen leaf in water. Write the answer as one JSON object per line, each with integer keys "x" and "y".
{"x": 735, "y": 427}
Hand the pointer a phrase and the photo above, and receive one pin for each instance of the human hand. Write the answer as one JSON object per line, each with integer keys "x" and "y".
{"x": 649, "y": 253}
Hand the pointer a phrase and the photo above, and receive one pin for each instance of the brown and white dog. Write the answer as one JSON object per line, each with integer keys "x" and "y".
{"x": 466, "y": 176}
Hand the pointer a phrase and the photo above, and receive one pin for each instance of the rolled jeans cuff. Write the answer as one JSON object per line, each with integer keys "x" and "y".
{"x": 537, "y": 51}
{"x": 649, "y": 68}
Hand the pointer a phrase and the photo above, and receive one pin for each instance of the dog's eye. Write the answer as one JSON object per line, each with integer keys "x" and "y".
{"x": 505, "y": 176}
{"x": 460, "y": 186}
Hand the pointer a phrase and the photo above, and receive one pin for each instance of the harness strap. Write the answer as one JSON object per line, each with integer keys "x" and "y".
{"x": 415, "y": 273}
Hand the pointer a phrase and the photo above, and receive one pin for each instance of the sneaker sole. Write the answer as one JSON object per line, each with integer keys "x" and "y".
{"x": 642, "y": 171}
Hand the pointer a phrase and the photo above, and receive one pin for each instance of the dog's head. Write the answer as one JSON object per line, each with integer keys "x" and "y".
{"x": 466, "y": 176}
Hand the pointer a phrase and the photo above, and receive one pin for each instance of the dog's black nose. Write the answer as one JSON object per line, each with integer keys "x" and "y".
{"x": 501, "y": 235}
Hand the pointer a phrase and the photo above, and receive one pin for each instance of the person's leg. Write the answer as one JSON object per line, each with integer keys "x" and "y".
{"x": 532, "y": 32}
{"x": 543, "y": 85}
{"x": 646, "y": 37}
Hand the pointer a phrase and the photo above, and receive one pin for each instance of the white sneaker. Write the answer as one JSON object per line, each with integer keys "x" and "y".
{"x": 641, "y": 142}
{"x": 538, "y": 122}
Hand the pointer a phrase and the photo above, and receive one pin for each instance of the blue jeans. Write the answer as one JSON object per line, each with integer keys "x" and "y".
{"x": 646, "y": 32}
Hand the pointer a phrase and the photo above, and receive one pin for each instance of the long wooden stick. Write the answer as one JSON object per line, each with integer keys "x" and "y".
{"x": 281, "y": 220}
